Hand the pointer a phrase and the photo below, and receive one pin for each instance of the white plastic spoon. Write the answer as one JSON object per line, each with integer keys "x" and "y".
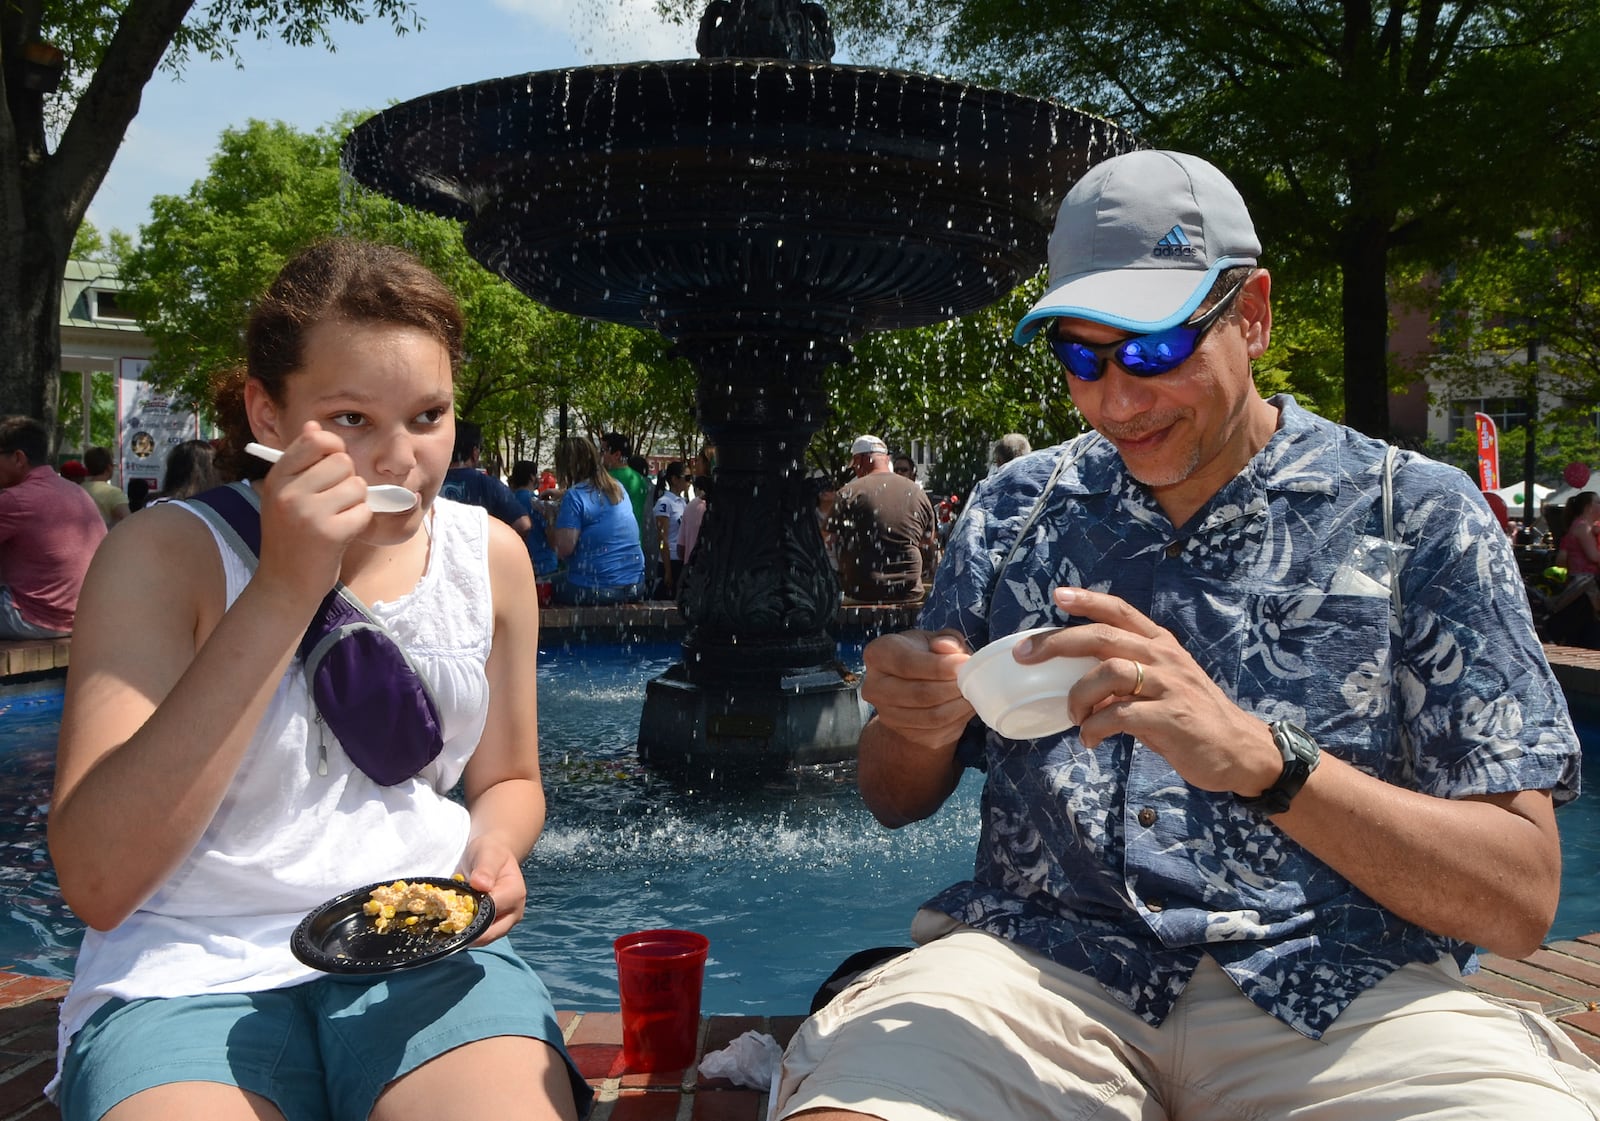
{"x": 384, "y": 498}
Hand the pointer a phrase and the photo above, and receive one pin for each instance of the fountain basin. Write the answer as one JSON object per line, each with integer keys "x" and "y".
{"x": 740, "y": 195}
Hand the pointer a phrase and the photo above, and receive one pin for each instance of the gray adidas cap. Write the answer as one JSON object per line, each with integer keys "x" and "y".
{"x": 1139, "y": 242}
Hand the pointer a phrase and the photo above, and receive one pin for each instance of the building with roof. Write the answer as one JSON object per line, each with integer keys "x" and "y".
{"x": 98, "y": 336}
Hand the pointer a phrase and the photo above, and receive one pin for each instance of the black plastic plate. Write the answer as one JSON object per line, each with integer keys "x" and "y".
{"x": 338, "y": 937}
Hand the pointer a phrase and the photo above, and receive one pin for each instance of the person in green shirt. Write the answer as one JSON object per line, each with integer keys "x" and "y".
{"x": 615, "y": 448}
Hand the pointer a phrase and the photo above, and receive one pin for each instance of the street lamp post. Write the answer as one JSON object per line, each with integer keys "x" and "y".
{"x": 1530, "y": 450}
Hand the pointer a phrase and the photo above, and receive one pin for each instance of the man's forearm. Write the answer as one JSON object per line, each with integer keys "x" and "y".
{"x": 1483, "y": 870}
{"x": 902, "y": 780}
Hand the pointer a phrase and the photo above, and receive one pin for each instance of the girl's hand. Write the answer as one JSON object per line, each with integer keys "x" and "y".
{"x": 313, "y": 504}
{"x": 492, "y": 867}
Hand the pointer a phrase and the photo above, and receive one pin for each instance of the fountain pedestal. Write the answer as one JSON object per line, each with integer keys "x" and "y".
{"x": 759, "y": 686}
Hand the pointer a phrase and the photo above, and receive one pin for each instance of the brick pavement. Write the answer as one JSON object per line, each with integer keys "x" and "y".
{"x": 1562, "y": 978}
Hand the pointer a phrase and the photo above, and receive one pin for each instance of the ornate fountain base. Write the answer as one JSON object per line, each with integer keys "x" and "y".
{"x": 760, "y": 687}
{"x": 736, "y": 733}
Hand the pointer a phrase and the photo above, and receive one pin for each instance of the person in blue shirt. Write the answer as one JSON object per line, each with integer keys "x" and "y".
{"x": 524, "y": 474}
{"x": 467, "y": 482}
{"x": 1315, "y": 767}
{"x": 595, "y": 532}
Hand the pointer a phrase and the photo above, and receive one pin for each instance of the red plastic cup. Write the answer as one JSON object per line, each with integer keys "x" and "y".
{"x": 659, "y": 975}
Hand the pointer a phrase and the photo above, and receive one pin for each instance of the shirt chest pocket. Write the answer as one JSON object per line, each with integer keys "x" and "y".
{"x": 1323, "y": 660}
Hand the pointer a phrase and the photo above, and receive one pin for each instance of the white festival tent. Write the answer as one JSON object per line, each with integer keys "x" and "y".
{"x": 1513, "y": 495}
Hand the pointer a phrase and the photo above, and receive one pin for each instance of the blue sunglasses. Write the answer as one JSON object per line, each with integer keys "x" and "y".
{"x": 1143, "y": 356}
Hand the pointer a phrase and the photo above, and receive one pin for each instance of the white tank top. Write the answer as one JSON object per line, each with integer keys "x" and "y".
{"x": 286, "y": 839}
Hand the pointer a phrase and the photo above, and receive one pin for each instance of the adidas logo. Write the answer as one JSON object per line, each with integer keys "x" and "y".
{"x": 1174, "y": 244}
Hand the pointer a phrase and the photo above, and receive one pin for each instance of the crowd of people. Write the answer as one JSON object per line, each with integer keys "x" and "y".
{"x": 52, "y": 522}
{"x": 595, "y": 530}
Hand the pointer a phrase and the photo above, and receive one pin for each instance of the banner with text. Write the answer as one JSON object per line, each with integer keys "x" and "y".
{"x": 1488, "y": 453}
{"x": 150, "y": 422}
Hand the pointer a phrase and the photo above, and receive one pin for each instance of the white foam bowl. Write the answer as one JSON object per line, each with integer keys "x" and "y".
{"x": 1021, "y": 702}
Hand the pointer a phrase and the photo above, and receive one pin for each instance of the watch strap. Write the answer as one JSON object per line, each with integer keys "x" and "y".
{"x": 1300, "y": 757}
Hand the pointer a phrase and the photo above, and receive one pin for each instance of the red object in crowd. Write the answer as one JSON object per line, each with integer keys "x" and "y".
{"x": 1498, "y": 505}
{"x": 547, "y": 481}
{"x": 74, "y": 470}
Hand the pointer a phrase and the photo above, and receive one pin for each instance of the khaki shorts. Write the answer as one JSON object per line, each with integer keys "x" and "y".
{"x": 969, "y": 1026}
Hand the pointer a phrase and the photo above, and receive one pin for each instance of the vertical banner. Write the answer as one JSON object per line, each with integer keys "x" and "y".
{"x": 150, "y": 422}
{"x": 1488, "y": 453}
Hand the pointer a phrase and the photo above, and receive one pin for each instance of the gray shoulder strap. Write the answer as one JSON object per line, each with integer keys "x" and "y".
{"x": 1080, "y": 449}
{"x": 1389, "y": 533}
{"x": 224, "y": 528}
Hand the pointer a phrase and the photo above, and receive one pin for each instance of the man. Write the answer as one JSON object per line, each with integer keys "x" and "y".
{"x": 882, "y": 523}
{"x": 905, "y": 467}
{"x": 615, "y": 448}
{"x": 49, "y": 530}
{"x": 1013, "y": 445}
{"x": 1315, "y": 765}
{"x": 113, "y": 503}
{"x": 466, "y": 482}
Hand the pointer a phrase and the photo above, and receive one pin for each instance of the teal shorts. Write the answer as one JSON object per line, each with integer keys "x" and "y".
{"x": 321, "y": 1051}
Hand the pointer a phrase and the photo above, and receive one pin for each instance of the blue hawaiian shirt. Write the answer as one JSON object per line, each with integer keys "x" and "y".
{"x": 1106, "y": 860}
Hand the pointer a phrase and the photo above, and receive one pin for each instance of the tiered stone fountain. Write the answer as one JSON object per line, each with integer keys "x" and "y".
{"x": 763, "y": 213}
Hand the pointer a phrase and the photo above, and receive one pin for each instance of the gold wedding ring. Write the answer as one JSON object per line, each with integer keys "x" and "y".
{"x": 1138, "y": 679}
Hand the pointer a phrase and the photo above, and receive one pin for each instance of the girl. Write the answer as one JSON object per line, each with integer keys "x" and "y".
{"x": 187, "y": 724}
{"x": 594, "y": 531}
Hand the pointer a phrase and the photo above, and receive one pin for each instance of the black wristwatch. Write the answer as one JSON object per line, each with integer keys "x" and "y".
{"x": 1300, "y": 756}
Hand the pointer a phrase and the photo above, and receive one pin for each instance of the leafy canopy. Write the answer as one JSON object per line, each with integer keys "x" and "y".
{"x": 272, "y": 189}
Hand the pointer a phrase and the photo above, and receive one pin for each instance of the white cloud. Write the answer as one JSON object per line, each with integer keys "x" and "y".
{"x": 610, "y": 30}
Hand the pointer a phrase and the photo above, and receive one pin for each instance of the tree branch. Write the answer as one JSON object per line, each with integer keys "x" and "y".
{"x": 106, "y": 109}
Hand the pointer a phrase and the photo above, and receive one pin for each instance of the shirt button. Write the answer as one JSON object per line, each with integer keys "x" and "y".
{"x": 1175, "y": 549}
{"x": 1147, "y": 817}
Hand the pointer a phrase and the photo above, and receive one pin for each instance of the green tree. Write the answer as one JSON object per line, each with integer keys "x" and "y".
{"x": 1521, "y": 317}
{"x": 89, "y": 245}
{"x": 55, "y": 147}
{"x": 270, "y": 190}
{"x": 1362, "y": 134}
{"x": 1532, "y": 297}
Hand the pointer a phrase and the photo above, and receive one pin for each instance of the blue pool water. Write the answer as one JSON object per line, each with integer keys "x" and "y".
{"x": 786, "y": 881}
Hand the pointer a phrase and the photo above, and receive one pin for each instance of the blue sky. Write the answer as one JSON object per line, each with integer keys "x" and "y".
{"x": 175, "y": 133}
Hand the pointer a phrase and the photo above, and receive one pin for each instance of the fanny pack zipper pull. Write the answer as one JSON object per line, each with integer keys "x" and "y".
{"x": 322, "y": 746}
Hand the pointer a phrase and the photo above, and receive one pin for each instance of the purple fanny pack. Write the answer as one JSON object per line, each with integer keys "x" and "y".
{"x": 367, "y": 689}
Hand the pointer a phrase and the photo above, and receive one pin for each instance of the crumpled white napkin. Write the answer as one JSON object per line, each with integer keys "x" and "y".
{"x": 749, "y": 1061}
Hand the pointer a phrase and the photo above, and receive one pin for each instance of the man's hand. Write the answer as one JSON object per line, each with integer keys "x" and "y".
{"x": 907, "y": 766}
{"x": 1178, "y": 711}
{"x": 911, "y": 681}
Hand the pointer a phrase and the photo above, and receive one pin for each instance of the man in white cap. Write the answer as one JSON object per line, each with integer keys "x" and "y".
{"x": 866, "y": 453}
{"x": 881, "y": 524}
{"x": 1314, "y": 767}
